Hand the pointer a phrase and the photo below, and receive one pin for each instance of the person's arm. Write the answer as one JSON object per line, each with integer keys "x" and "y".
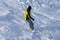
{"x": 31, "y": 17}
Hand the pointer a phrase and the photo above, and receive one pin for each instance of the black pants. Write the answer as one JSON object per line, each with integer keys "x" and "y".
{"x": 31, "y": 24}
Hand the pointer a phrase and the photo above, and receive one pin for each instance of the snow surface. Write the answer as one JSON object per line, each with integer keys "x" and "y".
{"x": 45, "y": 12}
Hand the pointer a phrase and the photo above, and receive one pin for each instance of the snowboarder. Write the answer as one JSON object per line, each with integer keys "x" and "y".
{"x": 27, "y": 17}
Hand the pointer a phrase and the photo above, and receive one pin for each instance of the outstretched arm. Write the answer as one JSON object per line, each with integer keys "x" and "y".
{"x": 31, "y": 17}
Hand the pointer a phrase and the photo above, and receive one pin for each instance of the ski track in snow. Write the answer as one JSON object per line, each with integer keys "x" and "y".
{"x": 45, "y": 12}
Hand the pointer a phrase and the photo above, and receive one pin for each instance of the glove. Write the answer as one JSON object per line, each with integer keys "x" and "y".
{"x": 33, "y": 19}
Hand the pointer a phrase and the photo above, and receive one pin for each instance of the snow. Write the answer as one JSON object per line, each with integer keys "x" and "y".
{"x": 45, "y": 12}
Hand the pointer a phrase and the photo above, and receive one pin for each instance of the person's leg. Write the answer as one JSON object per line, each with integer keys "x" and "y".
{"x": 31, "y": 24}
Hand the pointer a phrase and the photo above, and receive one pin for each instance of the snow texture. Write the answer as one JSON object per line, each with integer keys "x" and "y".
{"x": 45, "y": 12}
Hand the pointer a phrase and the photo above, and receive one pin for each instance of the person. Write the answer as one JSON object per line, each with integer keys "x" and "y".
{"x": 28, "y": 18}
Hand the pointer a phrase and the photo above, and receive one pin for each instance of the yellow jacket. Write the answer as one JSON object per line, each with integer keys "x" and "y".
{"x": 26, "y": 15}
